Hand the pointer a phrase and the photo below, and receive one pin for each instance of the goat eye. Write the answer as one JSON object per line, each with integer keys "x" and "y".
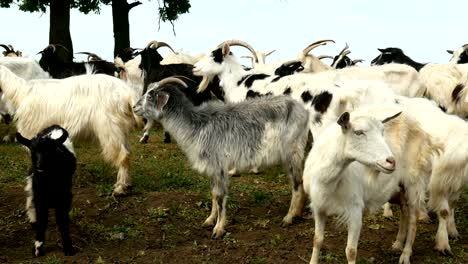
{"x": 359, "y": 132}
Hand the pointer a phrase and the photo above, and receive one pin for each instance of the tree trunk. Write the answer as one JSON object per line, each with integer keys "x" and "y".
{"x": 120, "y": 10}
{"x": 59, "y": 32}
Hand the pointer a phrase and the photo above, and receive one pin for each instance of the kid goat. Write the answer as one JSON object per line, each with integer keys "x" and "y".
{"x": 213, "y": 137}
{"x": 49, "y": 186}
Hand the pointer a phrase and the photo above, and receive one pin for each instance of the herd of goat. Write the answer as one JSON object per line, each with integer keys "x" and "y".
{"x": 391, "y": 132}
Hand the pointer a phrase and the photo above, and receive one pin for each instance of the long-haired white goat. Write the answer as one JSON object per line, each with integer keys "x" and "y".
{"x": 339, "y": 186}
{"x": 87, "y": 106}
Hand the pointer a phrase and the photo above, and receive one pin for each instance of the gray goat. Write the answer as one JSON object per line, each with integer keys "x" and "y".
{"x": 217, "y": 137}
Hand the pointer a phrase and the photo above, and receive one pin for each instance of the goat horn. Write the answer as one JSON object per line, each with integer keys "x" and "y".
{"x": 159, "y": 44}
{"x": 173, "y": 80}
{"x": 465, "y": 46}
{"x": 90, "y": 54}
{"x": 316, "y": 44}
{"x": 7, "y": 49}
{"x": 54, "y": 46}
{"x": 325, "y": 57}
{"x": 269, "y": 53}
{"x": 358, "y": 61}
{"x": 341, "y": 56}
{"x": 236, "y": 42}
{"x": 344, "y": 50}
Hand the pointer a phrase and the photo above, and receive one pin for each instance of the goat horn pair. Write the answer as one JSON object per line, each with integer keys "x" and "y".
{"x": 54, "y": 47}
{"x": 8, "y": 48}
{"x": 158, "y": 44}
{"x": 316, "y": 44}
{"x": 236, "y": 42}
{"x": 343, "y": 53}
{"x": 91, "y": 55}
{"x": 174, "y": 79}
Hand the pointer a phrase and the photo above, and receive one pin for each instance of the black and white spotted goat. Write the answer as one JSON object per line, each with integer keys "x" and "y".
{"x": 50, "y": 184}
{"x": 217, "y": 137}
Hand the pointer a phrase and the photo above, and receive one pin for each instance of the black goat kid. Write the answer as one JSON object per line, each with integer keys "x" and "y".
{"x": 50, "y": 184}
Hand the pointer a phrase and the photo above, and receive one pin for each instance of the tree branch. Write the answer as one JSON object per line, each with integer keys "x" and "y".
{"x": 132, "y": 5}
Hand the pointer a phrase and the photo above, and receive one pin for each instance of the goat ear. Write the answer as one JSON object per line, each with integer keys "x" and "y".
{"x": 391, "y": 117}
{"x": 343, "y": 121}
{"x": 450, "y": 51}
{"x": 161, "y": 100}
{"x": 381, "y": 50}
{"x": 225, "y": 50}
{"x": 63, "y": 137}
{"x": 22, "y": 140}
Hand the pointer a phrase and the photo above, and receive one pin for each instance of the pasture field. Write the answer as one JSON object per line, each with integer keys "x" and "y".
{"x": 160, "y": 221}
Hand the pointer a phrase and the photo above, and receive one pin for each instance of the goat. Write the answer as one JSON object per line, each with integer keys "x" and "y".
{"x": 342, "y": 60}
{"x": 450, "y": 169}
{"x": 447, "y": 84}
{"x": 60, "y": 69}
{"x": 154, "y": 71}
{"x": 460, "y": 55}
{"x": 213, "y": 137}
{"x": 314, "y": 90}
{"x": 338, "y": 186}
{"x": 50, "y": 184}
{"x": 87, "y": 106}
{"x": 10, "y": 51}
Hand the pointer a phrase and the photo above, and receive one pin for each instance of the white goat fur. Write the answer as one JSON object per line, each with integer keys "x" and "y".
{"x": 131, "y": 72}
{"x": 87, "y": 106}
{"x": 24, "y": 67}
{"x": 338, "y": 186}
{"x": 450, "y": 170}
{"x": 441, "y": 80}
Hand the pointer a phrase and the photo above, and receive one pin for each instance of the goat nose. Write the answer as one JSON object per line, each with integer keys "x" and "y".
{"x": 391, "y": 161}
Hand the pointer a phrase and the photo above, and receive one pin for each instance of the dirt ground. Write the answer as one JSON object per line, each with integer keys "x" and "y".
{"x": 167, "y": 237}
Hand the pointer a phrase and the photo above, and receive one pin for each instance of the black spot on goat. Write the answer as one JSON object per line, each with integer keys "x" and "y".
{"x": 322, "y": 101}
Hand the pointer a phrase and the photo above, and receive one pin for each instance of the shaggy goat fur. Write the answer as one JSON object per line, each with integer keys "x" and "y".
{"x": 217, "y": 137}
{"x": 338, "y": 186}
{"x": 87, "y": 106}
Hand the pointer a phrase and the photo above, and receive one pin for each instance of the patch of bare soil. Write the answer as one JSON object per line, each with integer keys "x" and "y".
{"x": 166, "y": 228}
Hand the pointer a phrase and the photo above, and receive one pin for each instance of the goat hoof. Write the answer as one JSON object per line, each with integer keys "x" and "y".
{"x": 121, "y": 190}
{"x": 444, "y": 251}
{"x": 286, "y": 223}
{"x": 218, "y": 235}
{"x": 404, "y": 259}
{"x": 144, "y": 140}
{"x": 37, "y": 252}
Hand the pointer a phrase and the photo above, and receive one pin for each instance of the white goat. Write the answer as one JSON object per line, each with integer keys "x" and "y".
{"x": 96, "y": 106}
{"x": 450, "y": 170}
{"x": 445, "y": 83}
{"x": 338, "y": 186}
